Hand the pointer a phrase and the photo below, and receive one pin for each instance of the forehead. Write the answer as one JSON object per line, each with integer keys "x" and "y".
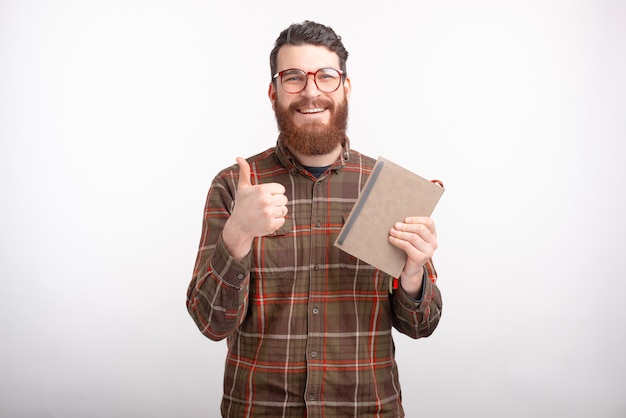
{"x": 306, "y": 57}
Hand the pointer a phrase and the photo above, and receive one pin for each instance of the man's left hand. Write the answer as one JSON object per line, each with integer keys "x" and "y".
{"x": 417, "y": 237}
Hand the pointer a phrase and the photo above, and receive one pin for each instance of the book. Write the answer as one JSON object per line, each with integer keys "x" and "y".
{"x": 391, "y": 194}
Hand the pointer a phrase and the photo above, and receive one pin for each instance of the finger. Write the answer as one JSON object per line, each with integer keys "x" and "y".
{"x": 281, "y": 211}
{"x": 275, "y": 189}
{"x": 413, "y": 245}
{"x": 423, "y": 220}
{"x": 417, "y": 234}
{"x": 244, "y": 173}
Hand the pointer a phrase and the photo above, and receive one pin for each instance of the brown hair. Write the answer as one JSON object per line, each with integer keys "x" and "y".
{"x": 309, "y": 32}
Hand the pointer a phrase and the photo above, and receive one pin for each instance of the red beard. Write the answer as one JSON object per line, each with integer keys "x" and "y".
{"x": 313, "y": 138}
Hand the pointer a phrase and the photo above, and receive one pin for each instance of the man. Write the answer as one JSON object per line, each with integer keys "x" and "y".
{"x": 309, "y": 327}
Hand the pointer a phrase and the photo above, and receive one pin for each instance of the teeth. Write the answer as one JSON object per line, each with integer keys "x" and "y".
{"x": 314, "y": 110}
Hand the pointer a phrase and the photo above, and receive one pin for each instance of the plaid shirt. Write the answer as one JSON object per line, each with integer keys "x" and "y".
{"x": 309, "y": 327}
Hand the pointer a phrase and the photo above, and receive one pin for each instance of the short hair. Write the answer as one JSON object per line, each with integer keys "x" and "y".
{"x": 313, "y": 33}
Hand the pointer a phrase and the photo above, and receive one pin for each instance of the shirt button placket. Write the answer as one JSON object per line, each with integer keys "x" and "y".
{"x": 315, "y": 342}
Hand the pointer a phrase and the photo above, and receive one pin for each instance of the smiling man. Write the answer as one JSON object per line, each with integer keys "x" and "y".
{"x": 309, "y": 327}
{"x": 312, "y": 117}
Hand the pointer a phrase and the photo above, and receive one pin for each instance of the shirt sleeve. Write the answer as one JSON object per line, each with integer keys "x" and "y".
{"x": 217, "y": 296}
{"x": 418, "y": 318}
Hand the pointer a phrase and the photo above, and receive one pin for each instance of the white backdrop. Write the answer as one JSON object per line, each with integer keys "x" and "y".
{"x": 115, "y": 115}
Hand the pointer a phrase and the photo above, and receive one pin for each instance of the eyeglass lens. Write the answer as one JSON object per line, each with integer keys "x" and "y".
{"x": 326, "y": 79}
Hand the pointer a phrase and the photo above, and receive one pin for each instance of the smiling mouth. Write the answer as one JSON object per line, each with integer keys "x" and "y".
{"x": 312, "y": 110}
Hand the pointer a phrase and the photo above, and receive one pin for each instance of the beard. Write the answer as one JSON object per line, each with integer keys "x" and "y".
{"x": 313, "y": 138}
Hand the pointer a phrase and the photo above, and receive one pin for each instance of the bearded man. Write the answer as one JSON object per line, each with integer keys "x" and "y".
{"x": 309, "y": 327}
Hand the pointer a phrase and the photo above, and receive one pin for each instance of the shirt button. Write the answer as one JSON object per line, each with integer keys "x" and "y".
{"x": 241, "y": 276}
{"x": 311, "y": 397}
{"x": 315, "y": 311}
{"x": 316, "y": 268}
{"x": 318, "y": 224}
{"x": 314, "y": 354}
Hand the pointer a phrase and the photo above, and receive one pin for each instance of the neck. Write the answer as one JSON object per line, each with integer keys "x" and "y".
{"x": 319, "y": 160}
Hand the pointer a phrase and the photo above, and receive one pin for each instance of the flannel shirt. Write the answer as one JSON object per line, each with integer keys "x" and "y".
{"x": 308, "y": 327}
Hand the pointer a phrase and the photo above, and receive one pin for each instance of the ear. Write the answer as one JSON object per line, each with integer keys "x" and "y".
{"x": 271, "y": 93}
{"x": 347, "y": 87}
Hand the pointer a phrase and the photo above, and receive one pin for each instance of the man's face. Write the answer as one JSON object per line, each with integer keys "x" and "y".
{"x": 311, "y": 122}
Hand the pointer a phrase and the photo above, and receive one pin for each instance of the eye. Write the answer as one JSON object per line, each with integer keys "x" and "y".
{"x": 327, "y": 74}
{"x": 293, "y": 76}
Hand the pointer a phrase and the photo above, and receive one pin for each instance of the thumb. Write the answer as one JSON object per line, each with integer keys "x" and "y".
{"x": 244, "y": 173}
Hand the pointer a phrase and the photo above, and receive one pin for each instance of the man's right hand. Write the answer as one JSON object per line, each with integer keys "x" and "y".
{"x": 259, "y": 210}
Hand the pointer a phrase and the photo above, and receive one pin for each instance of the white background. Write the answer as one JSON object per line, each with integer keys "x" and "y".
{"x": 115, "y": 115}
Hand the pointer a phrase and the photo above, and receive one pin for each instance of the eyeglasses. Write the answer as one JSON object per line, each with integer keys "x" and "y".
{"x": 294, "y": 80}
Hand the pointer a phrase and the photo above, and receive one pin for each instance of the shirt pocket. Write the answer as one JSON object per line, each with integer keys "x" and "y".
{"x": 285, "y": 229}
{"x": 276, "y": 252}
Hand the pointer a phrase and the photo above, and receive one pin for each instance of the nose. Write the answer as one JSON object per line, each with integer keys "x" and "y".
{"x": 310, "y": 90}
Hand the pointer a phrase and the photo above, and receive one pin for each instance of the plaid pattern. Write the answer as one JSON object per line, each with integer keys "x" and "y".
{"x": 309, "y": 327}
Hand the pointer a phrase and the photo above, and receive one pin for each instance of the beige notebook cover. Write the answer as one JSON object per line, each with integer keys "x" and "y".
{"x": 390, "y": 194}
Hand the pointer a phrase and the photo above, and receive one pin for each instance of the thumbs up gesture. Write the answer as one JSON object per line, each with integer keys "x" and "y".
{"x": 260, "y": 210}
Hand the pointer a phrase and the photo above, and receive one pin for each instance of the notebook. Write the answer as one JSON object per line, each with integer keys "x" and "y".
{"x": 390, "y": 194}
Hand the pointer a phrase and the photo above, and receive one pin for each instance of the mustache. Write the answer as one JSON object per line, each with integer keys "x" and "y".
{"x": 312, "y": 103}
